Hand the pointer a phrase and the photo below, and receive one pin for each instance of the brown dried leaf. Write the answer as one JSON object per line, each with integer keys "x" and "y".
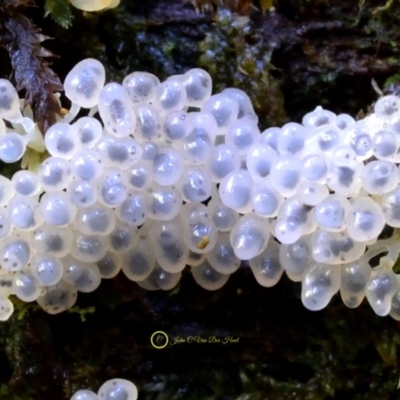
{"x": 22, "y": 39}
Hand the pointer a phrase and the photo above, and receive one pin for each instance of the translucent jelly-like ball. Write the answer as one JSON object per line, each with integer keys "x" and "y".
{"x": 62, "y": 140}
{"x": 46, "y": 268}
{"x": 168, "y": 245}
{"x": 23, "y": 212}
{"x": 285, "y": 175}
{"x": 6, "y": 190}
{"x": 209, "y": 278}
{"x": 196, "y": 147}
{"x": 391, "y": 207}
{"x": 84, "y": 82}
{"x": 51, "y": 240}
{"x": 82, "y": 193}
{"x": 312, "y": 193}
{"x": 325, "y": 139}
{"x": 26, "y": 287}
{"x": 141, "y": 86}
{"x": 242, "y": 135}
{"x": 25, "y": 183}
{"x": 57, "y": 209}
{"x": 161, "y": 279}
{"x": 331, "y": 213}
{"x": 89, "y": 131}
{"x": 359, "y": 137}
{"x": 354, "y": 278}
{"x": 266, "y": 200}
{"x": 319, "y": 284}
{"x": 95, "y": 220}
{"x": 259, "y": 161}
{"x": 164, "y": 203}
{"x": 54, "y": 174}
{"x": 84, "y": 276}
{"x": 318, "y": 117}
{"x": 223, "y": 160}
{"x": 223, "y": 217}
{"x": 269, "y": 137}
{"x": 135, "y": 209}
{"x": 86, "y": 165}
{"x": 150, "y": 150}
{"x": 266, "y": 267}
{"x": 235, "y": 190}
{"x": 296, "y": 257}
{"x": 292, "y": 140}
{"x": 12, "y": 147}
{"x": 5, "y": 224}
{"x": 9, "y": 100}
{"x": 177, "y": 126}
{"x": 395, "y": 306}
{"x": 335, "y": 247}
{"x": 6, "y": 308}
{"x": 344, "y": 172}
{"x": 224, "y": 109}
{"x": 140, "y": 175}
{"x": 110, "y": 265}
{"x": 116, "y": 110}
{"x": 122, "y": 238}
{"x": 112, "y": 187}
{"x": 314, "y": 168}
{"x": 246, "y": 109}
{"x": 250, "y": 235}
{"x": 381, "y": 287}
{"x": 198, "y": 85}
{"x": 195, "y": 184}
{"x": 366, "y": 220}
{"x": 148, "y": 125}
{"x": 222, "y": 256}
{"x": 139, "y": 262}
{"x": 84, "y": 394}
{"x": 344, "y": 121}
{"x": 385, "y": 145}
{"x": 119, "y": 153}
{"x": 167, "y": 167}
{"x": 58, "y": 298}
{"x": 171, "y": 95}
{"x": 15, "y": 253}
{"x": 88, "y": 248}
{"x": 118, "y": 389}
{"x": 387, "y": 106}
{"x": 200, "y": 233}
{"x": 195, "y": 259}
{"x": 379, "y": 177}
{"x": 6, "y": 283}
{"x": 294, "y": 219}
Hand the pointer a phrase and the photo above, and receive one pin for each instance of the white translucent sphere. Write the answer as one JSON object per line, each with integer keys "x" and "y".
{"x": 209, "y": 278}
{"x": 89, "y": 131}
{"x": 141, "y": 86}
{"x": 365, "y": 220}
{"x": 9, "y": 101}
{"x": 12, "y": 147}
{"x": 250, "y": 235}
{"x": 116, "y": 110}
{"x": 57, "y": 209}
{"x": 62, "y": 140}
{"x": 46, "y": 268}
{"x": 235, "y": 190}
{"x": 84, "y": 82}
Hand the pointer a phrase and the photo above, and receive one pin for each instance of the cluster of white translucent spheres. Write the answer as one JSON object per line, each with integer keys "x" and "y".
{"x": 114, "y": 389}
{"x": 175, "y": 176}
